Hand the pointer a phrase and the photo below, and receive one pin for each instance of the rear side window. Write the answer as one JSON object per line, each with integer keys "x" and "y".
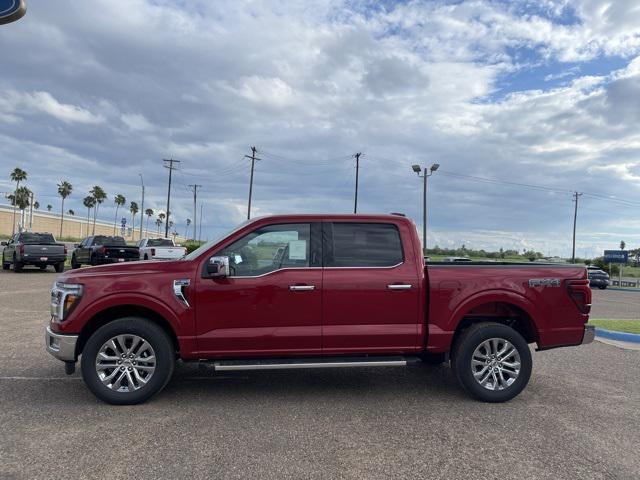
{"x": 364, "y": 245}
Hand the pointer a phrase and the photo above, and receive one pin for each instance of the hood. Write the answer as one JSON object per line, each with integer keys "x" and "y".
{"x": 148, "y": 267}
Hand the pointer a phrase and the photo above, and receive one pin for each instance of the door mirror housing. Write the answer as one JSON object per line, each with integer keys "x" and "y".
{"x": 4, "y": 244}
{"x": 218, "y": 267}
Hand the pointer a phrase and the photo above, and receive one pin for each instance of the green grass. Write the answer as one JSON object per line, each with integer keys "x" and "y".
{"x": 629, "y": 326}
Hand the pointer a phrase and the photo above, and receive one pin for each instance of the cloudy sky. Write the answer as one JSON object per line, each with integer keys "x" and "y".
{"x": 500, "y": 93}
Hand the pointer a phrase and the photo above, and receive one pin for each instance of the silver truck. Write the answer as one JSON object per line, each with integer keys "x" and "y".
{"x": 28, "y": 248}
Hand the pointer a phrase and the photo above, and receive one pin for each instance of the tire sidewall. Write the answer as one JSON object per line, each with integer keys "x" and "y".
{"x": 464, "y": 352}
{"x": 153, "y": 334}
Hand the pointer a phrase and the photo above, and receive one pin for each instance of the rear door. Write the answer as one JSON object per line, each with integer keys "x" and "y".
{"x": 82, "y": 252}
{"x": 371, "y": 291}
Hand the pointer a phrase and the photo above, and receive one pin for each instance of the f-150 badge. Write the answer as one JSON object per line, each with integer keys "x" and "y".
{"x": 544, "y": 282}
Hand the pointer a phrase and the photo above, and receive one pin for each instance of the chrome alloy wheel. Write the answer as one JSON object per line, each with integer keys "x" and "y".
{"x": 495, "y": 364}
{"x": 125, "y": 363}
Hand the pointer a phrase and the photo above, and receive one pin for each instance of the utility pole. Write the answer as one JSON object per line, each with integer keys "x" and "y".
{"x": 31, "y": 211}
{"x": 355, "y": 202}
{"x": 171, "y": 169}
{"x": 200, "y": 233}
{"x": 195, "y": 187}
{"x": 141, "y": 206}
{"x": 576, "y": 195}
{"x": 253, "y": 161}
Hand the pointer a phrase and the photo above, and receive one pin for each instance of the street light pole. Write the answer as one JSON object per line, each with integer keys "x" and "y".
{"x": 425, "y": 175}
{"x": 141, "y": 205}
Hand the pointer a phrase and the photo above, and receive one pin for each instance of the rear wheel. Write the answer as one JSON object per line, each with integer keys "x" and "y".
{"x": 127, "y": 361}
{"x": 602, "y": 287}
{"x": 17, "y": 266}
{"x": 492, "y": 362}
{"x": 59, "y": 267}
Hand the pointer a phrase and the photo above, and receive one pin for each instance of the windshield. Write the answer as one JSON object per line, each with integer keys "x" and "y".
{"x": 104, "y": 240}
{"x": 38, "y": 238}
{"x": 160, "y": 242}
{"x": 203, "y": 248}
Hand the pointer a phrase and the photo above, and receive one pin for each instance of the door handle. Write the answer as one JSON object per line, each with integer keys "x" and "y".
{"x": 399, "y": 286}
{"x": 301, "y": 288}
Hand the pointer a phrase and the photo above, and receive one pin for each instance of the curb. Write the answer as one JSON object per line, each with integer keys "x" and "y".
{"x": 624, "y": 289}
{"x": 620, "y": 336}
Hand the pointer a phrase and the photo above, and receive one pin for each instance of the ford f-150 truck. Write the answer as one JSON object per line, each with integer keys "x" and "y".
{"x": 30, "y": 248}
{"x": 314, "y": 291}
{"x": 160, "y": 249}
{"x": 102, "y": 249}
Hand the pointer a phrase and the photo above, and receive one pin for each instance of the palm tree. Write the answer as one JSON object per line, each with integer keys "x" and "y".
{"x": 120, "y": 200}
{"x": 186, "y": 232}
{"x": 64, "y": 190}
{"x": 17, "y": 175}
{"x": 99, "y": 195}
{"x": 149, "y": 213}
{"x": 158, "y": 223}
{"x": 49, "y": 207}
{"x": 133, "y": 208}
{"x": 71, "y": 212}
{"x": 89, "y": 202}
{"x": 36, "y": 205}
{"x": 22, "y": 200}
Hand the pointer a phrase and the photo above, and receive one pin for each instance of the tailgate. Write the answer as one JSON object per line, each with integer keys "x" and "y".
{"x": 121, "y": 252}
{"x": 169, "y": 252}
{"x": 43, "y": 250}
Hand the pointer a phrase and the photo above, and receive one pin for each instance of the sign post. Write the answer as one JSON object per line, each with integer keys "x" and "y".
{"x": 616, "y": 256}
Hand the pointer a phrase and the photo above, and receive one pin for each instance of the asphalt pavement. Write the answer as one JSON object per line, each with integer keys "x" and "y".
{"x": 578, "y": 418}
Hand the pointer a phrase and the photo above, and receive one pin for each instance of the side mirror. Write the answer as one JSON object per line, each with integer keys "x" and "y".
{"x": 76, "y": 245}
{"x": 218, "y": 267}
{"x": 4, "y": 244}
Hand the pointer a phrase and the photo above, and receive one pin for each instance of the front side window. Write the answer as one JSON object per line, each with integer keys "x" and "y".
{"x": 268, "y": 249}
{"x": 365, "y": 245}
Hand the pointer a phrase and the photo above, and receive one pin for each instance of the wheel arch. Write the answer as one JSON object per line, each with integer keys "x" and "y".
{"x": 126, "y": 310}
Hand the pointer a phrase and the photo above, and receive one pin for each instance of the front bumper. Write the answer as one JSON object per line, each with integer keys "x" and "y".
{"x": 63, "y": 347}
{"x": 589, "y": 334}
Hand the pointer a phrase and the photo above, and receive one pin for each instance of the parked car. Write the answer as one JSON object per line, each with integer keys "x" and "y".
{"x": 160, "y": 249}
{"x": 102, "y": 249}
{"x": 598, "y": 278}
{"x": 30, "y": 248}
{"x": 456, "y": 259}
{"x": 345, "y": 291}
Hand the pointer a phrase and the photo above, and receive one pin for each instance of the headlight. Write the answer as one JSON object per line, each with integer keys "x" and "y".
{"x": 64, "y": 297}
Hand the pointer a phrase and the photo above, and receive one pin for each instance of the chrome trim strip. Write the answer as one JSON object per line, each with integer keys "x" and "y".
{"x": 275, "y": 271}
{"x": 338, "y": 268}
{"x": 63, "y": 347}
{"x": 395, "y": 286}
{"x": 178, "y": 290}
{"x": 285, "y": 366}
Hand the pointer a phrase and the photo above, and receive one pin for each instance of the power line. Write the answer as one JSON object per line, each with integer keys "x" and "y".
{"x": 171, "y": 169}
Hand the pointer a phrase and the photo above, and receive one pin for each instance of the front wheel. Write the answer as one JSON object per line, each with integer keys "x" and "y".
{"x": 74, "y": 262}
{"x": 127, "y": 361}
{"x": 492, "y": 362}
{"x": 602, "y": 287}
{"x": 5, "y": 265}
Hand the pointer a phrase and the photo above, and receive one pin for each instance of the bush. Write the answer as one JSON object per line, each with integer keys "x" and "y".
{"x": 191, "y": 246}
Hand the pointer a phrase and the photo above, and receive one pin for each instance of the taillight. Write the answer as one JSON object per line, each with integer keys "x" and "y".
{"x": 65, "y": 249}
{"x": 580, "y": 293}
{"x": 21, "y": 249}
{"x": 103, "y": 250}
{"x": 153, "y": 252}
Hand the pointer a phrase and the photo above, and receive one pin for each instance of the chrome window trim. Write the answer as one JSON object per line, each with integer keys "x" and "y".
{"x": 368, "y": 268}
{"x": 274, "y": 271}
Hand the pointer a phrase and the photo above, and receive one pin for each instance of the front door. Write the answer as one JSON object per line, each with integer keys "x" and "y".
{"x": 370, "y": 287}
{"x": 270, "y": 304}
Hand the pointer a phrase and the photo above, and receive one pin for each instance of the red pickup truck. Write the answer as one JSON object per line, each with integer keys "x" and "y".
{"x": 314, "y": 291}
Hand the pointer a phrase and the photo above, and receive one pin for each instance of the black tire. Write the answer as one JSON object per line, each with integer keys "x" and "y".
{"x": 42, "y": 267}
{"x": 149, "y": 331}
{"x": 464, "y": 349}
{"x": 146, "y": 257}
{"x": 74, "y": 262}
{"x": 5, "y": 265}
{"x": 59, "y": 267}
{"x": 602, "y": 287}
{"x": 17, "y": 266}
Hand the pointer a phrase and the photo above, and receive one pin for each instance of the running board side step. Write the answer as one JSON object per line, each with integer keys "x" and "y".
{"x": 332, "y": 362}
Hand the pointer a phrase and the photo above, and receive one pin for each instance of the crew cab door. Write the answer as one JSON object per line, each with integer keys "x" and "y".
{"x": 371, "y": 289}
{"x": 82, "y": 252}
{"x": 270, "y": 304}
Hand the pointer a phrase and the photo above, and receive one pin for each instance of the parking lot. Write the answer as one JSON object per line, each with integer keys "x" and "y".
{"x": 578, "y": 418}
